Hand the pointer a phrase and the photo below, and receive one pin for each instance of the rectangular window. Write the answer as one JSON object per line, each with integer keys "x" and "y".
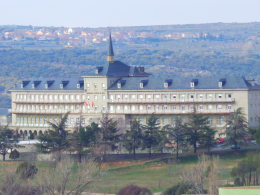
{"x": 28, "y": 120}
{"x": 183, "y": 97}
{"x": 174, "y": 96}
{"x": 173, "y": 121}
{"x": 103, "y": 85}
{"x": 229, "y": 95}
{"x": 251, "y": 105}
{"x": 83, "y": 122}
{"x": 141, "y": 96}
{"x": 72, "y": 107}
{"x": 125, "y": 107}
{"x": 36, "y": 120}
{"x": 210, "y": 107}
{"x": 45, "y": 120}
{"x": 200, "y": 107}
{"x": 87, "y": 85}
{"x": 182, "y": 108}
{"x": 219, "y": 107}
{"x": 103, "y": 97}
{"x": 71, "y": 97}
{"x": 149, "y": 96}
{"x": 165, "y": 121}
{"x": 118, "y": 107}
{"x": 210, "y": 121}
{"x": 111, "y": 107}
{"x": 55, "y": 121}
{"x": 141, "y": 107}
{"x": 77, "y": 121}
{"x": 118, "y": 97}
{"x": 165, "y": 107}
{"x": 95, "y": 85}
{"x": 50, "y": 97}
{"x": 50, "y": 120}
{"x": 72, "y": 121}
{"x": 229, "y": 107}
{"x": 220, "y": 121}
{"x": 157, "y": 107}
{"x": 174, "y": 107}
{"x": 141, "y": 120}
{"x": 157, "y": 96}
{"x": 104, "y": 108}
{"x": 95, "y": 97}
{"x": 77, "y": 97}
{"x": 191, "y": 107}
{"x": 165, "y": 96}
{"x": 88, "y": 97}
{"x": 201, "y": 96}
{"x": 125, "y": 96}
{"x": 191, "y": 96}
{"x": 60, "y": 97}
{"x": 133, "y": 107}
{"x": 210, "y": 96}
{"x": 60, "y": 108}
{"x": 95, "y": 108}
{"x": 219, "y": 95}
{"x": 133, "y": 96}
{"x": 83, "y": 97}
{"x": 77, "y": 107}
{"x": 149, "y": 107}
{"x": 40, "y": 120}
{"x": 17, "y": 120}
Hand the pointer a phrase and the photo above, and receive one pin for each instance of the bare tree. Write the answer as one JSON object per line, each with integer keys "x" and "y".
{"x": 195, "y": 174}
{"x": 213, "y": 176}
{"x": 79, "y": 176}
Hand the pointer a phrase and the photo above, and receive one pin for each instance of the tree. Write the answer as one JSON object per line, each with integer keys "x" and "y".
{"x": 208, "y": 137}
{"x": 236, "y": 128}
{"x": 109, "y": 136}
{"x": 162, "y": 140}
{"x": 6, "y": 141}
{"x": 55, "y": 139}
{"x": 84, "y": 140}
{"x": 177, "y": 134}
{"x": 14, "y": 154}
{"x": 27, "y": 170}
{"x": 151, "y": 132}
{"x": 195, "y": 127}
{"x": 134, "y": 190}
{"x": 31, "y": 136}
{"x": 132, "y": 139}
{"x": 67, "y": 172}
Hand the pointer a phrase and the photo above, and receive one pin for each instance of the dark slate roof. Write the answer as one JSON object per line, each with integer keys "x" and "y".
{"x": 118, "y": 68}
{"x": 71, "y": 85}
{"x": 184, "y": 83}
{"x": 4, "y": 111}
{"x": 110, "y": 51}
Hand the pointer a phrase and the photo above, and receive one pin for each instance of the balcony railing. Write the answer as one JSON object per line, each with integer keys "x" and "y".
{"x": 47, "y": 101}
{"x": 40, "y": 125}
{"x": 220, "y": 111}
{"x": 209, "y": 100}
{"x": 52, "y": 111}
{"x": 118, "y": 111}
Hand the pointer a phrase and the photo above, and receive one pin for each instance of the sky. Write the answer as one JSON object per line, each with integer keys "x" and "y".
{"x": 104, "y": 13}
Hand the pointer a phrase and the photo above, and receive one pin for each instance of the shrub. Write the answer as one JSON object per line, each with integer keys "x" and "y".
{"x": 134, "y": 190}
{"x": 178, "y": 189}
{"x": 237, "y": 182}
{"x": 14, "y": 154}
{"x": 27, "y": 170}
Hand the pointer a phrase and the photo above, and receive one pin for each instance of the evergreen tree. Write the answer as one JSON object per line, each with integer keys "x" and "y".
{"x": 162, "y": 139}
{"x": 151, "y": 132}
{"x": 55, "y": 139}
{"x": 109, "y": 136}
{"x": 236, "y": 128}
{"x": 177, "y": 134}
{"x": 132, "y": 139}
{"x": 84, "y": 140}
{"x": 195, "y": 128}
{"x": 208, "y": 137}
{"x": 7, "y": 142}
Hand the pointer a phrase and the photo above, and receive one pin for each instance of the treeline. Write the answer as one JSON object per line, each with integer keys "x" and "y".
{"x": 77, "y": 62}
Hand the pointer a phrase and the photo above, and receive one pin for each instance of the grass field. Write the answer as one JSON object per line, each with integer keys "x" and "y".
{"x": 148, "y": 173}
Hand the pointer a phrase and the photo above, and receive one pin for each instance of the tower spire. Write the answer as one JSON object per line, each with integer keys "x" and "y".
{"x": 110, "y": 52}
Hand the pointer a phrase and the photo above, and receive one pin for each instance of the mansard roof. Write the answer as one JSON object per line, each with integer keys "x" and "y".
{"x": 53, "y": 84}
{"x": 118, "y": 68}
{"x": 232, "y": 82}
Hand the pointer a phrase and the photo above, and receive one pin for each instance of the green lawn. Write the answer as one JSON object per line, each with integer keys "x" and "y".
{"x": 149, "y": 173}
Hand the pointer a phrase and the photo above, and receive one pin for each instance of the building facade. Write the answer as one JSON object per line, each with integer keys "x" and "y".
{"x": 125, "y": 92}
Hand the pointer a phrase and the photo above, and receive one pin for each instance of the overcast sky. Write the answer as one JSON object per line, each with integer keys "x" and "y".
{"x": 103, "y": 13}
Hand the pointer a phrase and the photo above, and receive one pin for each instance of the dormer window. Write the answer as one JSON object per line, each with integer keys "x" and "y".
{"x": 96, "y": 71}
{"x": 165, "y": 85}
{"x": 118, "y": 85}
{"x": 221, "y": 82}
{"x": 61, "y": 86}
{"x": 33, "y": 86}
{"x": 193, "y": 83}
{"x": 78, "y": 85}
{"x": 46, "y": 86}
{"x": 22, "y": 86}
{"x": 141, "y": 85}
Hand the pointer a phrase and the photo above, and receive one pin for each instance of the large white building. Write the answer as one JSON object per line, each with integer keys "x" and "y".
{"x": 125, "y": 92}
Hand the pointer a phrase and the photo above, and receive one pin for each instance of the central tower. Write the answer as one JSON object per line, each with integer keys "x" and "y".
{"x": 110, "y": 52}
